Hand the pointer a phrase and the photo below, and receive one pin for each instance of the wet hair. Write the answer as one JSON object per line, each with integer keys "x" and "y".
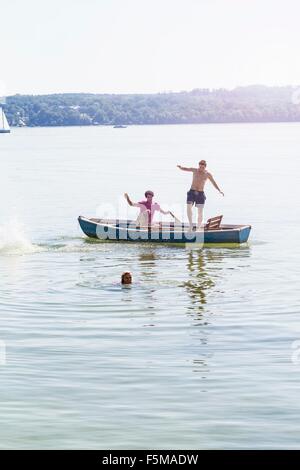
{"x": 149, "y": 192}
{"x": 202, "y": 162}
{"x": 123, "y": 276}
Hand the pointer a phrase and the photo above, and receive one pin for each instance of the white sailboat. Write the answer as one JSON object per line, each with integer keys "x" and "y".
{"x": 4, "y": 126}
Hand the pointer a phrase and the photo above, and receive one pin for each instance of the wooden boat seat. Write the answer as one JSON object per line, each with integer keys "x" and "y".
{"x": 213, "y": 223}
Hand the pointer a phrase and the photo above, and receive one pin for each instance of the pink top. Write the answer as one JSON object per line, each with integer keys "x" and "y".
{"x": 146, "y": 205}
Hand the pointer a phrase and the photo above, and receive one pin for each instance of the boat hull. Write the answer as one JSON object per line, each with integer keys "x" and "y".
{"x": 166, "y": 233}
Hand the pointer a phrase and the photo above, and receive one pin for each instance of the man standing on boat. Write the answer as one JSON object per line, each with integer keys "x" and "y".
{"x": 196, "y": 194}
{"x": 147, "y": 208}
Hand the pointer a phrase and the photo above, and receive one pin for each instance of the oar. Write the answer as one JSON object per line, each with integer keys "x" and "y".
{"x": 175, "y": 218}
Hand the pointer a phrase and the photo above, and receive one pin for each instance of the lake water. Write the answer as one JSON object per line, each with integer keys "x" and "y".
{"x": 202, "y": 351}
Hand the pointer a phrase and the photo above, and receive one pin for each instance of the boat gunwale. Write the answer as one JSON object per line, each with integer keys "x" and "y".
{"x": 223, "y": 228}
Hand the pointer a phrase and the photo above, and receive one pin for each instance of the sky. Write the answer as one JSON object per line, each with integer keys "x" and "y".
{"x": 147, "y": 46}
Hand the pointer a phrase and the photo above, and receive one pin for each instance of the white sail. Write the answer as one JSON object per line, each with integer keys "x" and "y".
{"x": 4, "y": 126}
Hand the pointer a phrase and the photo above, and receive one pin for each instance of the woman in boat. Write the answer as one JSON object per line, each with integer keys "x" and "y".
{"x": 147, "y": 208}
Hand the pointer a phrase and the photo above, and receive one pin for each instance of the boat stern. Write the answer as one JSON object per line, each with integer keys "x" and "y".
{"x": 244, "y": 233}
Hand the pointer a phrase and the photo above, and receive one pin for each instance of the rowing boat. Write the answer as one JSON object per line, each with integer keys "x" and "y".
{"x": 163, "y": 232}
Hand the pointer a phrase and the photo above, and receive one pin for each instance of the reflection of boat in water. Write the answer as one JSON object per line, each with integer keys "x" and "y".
{"x": 206, "y": 268}
{"x": 4, "y": 126}
{"x": 165, "y": 232}
{"x": 199, "y": 281}
{"x": 119, "y": 126}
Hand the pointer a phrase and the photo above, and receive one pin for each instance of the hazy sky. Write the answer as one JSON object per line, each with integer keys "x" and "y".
{"x": 120, "y": 46}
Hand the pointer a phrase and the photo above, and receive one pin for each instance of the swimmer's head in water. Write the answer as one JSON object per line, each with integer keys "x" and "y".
{"x": 126, "y": 278}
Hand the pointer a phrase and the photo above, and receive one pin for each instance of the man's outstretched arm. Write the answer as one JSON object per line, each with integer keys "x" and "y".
{"x": 133, "y": 204}
{"x": 183, "y": 168}
{"x": 210, "y": 177}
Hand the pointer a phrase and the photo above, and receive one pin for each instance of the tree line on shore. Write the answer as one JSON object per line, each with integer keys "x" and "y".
{"x": 256, "y": 103}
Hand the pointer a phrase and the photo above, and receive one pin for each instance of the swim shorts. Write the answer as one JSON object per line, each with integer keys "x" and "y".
{"x": 195, "y": 197}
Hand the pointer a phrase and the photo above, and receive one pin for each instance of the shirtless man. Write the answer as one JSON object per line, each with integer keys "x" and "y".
{"x": 196, "y": 193}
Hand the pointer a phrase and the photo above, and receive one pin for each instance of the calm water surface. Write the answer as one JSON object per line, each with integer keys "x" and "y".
{"x": 200, "y": 351}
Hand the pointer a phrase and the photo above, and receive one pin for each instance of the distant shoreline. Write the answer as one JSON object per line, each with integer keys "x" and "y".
{"x": 155, "y": 125}
{"x": 252, "y": 104}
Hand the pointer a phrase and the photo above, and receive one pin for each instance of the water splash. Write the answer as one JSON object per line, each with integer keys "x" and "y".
{"x": 13, "y": 240}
